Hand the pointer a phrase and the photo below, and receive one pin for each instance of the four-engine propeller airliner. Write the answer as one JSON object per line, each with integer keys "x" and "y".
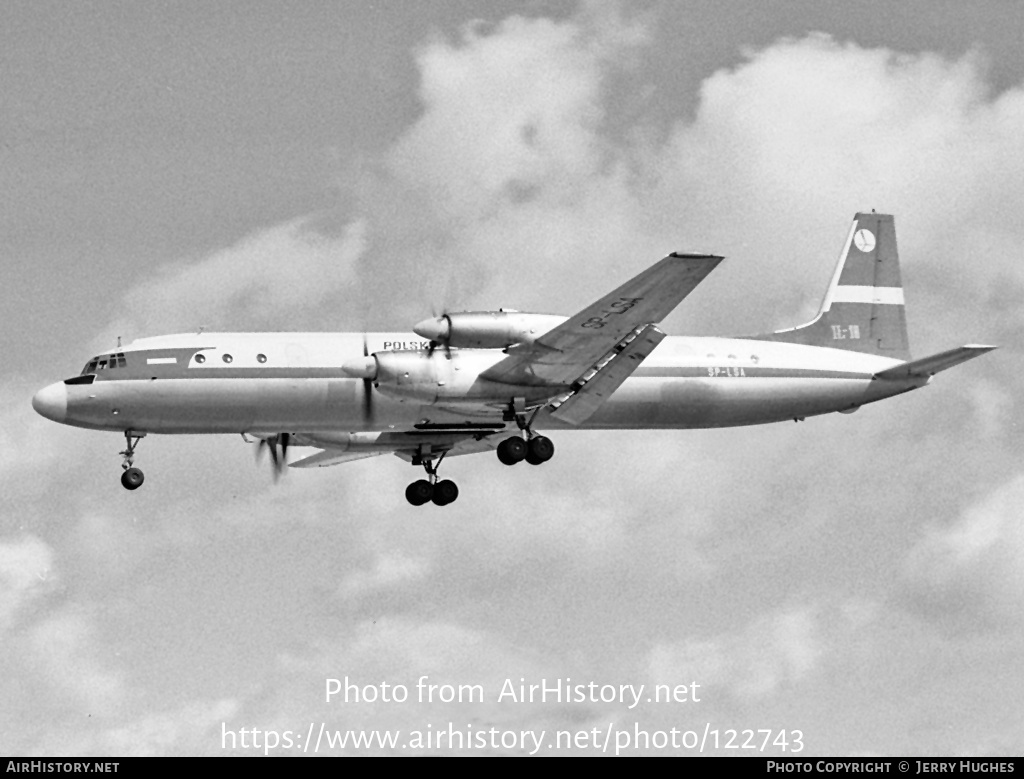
{"x": 472, "y": 381}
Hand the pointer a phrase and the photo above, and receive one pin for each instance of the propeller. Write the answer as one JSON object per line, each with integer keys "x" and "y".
{"x": 365, "y": 369}
{"x": 438, "y": 330}
{"x": 278, "y": 461}
{"x": 367, "y": 386}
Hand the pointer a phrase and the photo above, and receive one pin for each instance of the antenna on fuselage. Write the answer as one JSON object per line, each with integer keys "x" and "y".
{"x": 119, "y": 342}
{"x": 200, "y": 330}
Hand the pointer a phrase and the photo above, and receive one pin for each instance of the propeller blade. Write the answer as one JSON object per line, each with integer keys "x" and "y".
{"x": 367, "y": 386}
{"x": 277, "y": 461}
{"x": 286, "y": 439}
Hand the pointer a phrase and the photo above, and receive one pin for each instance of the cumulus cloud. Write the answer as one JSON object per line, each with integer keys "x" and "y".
{"x": 450, "y": 672}
{"x": 807, "y": 131}
{"x": 511, "y": 114}
{"x": 26, "y": 572}
{"x": 389, "y": 570}
{"x": 65, "y": 655}
{"x": 191, "y": 730}
{"x": 972, "y": 571}
{"x": 772, "y": 651}
{"x": 511, "y": 173}
{"x": 268, "y": 279}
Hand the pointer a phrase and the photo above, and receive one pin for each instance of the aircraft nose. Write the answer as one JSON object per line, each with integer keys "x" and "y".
{"x": 52, "y": 402}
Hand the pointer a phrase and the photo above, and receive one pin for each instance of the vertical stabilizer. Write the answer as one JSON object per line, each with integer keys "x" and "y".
{"x": 863, "y": 310}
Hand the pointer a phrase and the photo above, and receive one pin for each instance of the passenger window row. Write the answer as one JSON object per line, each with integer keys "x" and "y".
{"x": 227, "y": 358}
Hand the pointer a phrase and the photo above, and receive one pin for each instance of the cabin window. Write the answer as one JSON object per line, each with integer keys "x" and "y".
{"x": 227, "y": 358}
{"x": 200, "y": 358}
{"x": 261, "y": 358}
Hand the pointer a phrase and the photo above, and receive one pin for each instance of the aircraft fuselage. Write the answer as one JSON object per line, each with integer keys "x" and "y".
{"x": 263, "y": 383}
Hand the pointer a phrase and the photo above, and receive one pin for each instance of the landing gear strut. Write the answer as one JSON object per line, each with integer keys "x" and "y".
{"x": 430, "y": 489}
{"x": 535, "y": 449}
{"x": 132, "y": 477}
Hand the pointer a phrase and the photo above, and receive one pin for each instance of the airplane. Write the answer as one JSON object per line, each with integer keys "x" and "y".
{"x": 474, "y": 381}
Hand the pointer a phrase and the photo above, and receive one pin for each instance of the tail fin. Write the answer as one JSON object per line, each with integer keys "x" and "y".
{"x": 863, "y": 310}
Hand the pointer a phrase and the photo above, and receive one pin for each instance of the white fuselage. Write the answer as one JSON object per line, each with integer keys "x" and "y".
{"x": 263, "y": 383}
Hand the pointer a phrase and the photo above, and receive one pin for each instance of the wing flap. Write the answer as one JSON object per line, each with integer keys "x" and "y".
{"x": 565, "y": 352}
{"x": 468, "y": 445}
{"x": 326, "y": 457}
{"x": 598, "y": 384}
{"x": 408, "y": 446}
{"x": 929, "y": 366}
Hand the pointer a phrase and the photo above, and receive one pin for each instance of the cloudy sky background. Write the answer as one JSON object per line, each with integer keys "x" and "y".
{"x": 348, "y": 166}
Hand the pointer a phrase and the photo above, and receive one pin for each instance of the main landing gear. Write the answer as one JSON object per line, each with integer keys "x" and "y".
{"x": 132, "y": 477}
{"x": 535, "y": 449}
{"x": 430, "y": 489}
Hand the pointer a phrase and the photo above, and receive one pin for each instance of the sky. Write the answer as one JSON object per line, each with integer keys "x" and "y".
{"x": 348, "y": 166}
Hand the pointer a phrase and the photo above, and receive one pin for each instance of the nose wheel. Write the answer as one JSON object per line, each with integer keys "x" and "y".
{"x": 132, "y": 477}
{"x": 430, "y": 490}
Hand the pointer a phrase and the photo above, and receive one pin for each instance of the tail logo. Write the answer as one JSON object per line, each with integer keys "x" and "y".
{"x": 864, "y": 240}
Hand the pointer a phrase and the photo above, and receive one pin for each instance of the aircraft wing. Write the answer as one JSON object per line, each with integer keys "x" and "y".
{"x": 326, "y": 457}
{"x": 468, "y": 445}
{"x": 595, "y": 386}
{"x": 405, "y": 445}
{"x": 564, "y": 353}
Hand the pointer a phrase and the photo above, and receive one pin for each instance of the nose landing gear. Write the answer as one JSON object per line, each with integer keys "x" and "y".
{"x": 441, "y": 493}
{"x": 132, "y": 477}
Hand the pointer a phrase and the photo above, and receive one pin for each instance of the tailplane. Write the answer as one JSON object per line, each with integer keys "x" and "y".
{"x": 863, "y": 310}
{"x": 927, "y": 367}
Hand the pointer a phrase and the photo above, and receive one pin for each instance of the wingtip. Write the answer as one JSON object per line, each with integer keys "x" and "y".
{"x": 696, "y": 256}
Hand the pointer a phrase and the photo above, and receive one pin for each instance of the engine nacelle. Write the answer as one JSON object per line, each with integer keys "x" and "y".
{"x": 409, "y": 374}
{"x": 487, "y": 329}
{"x": 432, "y": 376}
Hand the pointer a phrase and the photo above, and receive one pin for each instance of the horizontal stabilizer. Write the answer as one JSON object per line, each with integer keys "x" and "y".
{"x": 929, "y": 366}
{"x": 592, "y": 389}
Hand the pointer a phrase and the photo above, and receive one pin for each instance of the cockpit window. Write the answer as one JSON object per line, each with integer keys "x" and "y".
{"x": 105, "y": 362}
